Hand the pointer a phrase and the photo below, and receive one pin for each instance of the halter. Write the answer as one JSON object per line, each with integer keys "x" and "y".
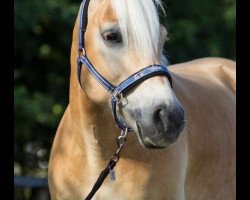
{"x": 117, "y": 92}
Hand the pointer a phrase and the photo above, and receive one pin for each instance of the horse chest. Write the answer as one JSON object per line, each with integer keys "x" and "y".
{"x": 135, "y": 180}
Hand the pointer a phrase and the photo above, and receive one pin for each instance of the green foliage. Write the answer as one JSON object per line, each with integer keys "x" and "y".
{"x": 43, "y": 33}
{"x": 200, "y": 29}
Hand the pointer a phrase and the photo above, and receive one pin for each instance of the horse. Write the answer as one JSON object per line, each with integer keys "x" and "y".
{"x": 179, "y": 123}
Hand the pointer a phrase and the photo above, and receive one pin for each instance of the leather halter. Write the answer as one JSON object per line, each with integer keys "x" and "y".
{"x": 115, "y": 91}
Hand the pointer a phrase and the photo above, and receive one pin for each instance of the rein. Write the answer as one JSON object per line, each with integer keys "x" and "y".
{"x": 117, "y": 92}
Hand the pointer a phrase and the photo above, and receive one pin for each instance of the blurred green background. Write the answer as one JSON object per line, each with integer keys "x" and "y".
{"x": 42, "y": 42}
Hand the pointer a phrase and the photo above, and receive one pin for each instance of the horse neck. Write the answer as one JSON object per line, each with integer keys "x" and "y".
{"x": 94, "y": 125}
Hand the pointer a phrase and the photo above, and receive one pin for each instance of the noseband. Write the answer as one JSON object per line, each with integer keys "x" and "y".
{"x": 116, "y": 91}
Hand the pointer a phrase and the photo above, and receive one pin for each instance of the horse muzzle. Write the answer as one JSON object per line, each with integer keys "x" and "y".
{"x": 160, "y": 127}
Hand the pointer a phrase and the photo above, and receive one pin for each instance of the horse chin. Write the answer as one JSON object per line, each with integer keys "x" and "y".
{"x": 146, "y": 142}
{"x": 160, "y": 142}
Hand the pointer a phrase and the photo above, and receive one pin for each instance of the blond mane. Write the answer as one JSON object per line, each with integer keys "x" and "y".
{"x": 139, "y": 24}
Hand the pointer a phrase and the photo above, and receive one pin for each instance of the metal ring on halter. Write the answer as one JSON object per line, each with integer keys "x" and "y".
{"x": 119, "y": 98}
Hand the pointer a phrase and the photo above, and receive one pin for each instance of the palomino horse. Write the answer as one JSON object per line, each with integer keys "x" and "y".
{"x": 121, "y": 38}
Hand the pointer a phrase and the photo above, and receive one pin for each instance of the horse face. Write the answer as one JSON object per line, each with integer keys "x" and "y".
{"x": 151, "y": 108}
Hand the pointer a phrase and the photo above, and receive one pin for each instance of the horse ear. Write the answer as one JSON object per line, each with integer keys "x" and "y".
{"x": 162, "y": 43}
{"x": 164, "y": 60}
{"x": 164, "y": 32}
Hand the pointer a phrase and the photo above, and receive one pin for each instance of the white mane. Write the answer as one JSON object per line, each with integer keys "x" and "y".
{"x": 139, "y": 24}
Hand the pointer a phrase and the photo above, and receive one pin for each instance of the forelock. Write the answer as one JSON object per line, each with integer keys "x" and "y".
{"x": 139, "y": 24}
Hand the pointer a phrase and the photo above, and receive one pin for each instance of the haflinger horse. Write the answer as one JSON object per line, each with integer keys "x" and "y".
{"x": 178, "y": 122}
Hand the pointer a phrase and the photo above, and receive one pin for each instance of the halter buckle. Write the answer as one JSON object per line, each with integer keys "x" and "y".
{"x": 81, "y": 52}
{"x": 119, "y": 98}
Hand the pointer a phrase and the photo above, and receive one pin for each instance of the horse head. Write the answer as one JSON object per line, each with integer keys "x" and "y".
{"x": 121, "y": 38}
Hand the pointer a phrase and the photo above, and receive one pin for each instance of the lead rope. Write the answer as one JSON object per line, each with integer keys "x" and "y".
{"x": 110, "y": 166}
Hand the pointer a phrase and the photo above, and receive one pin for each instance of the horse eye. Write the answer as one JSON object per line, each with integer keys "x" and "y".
{"x": 112, "y": 37}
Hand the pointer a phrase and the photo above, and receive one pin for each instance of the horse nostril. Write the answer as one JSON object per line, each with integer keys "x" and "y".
{"x": 160, "y": 119}
{"x": 168, "y": 120}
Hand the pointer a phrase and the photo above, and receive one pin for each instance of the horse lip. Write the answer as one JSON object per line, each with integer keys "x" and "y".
{"x": 149, "y": 144}
{"x": 145, "y": 141}
{"x": 139, "y": 130}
